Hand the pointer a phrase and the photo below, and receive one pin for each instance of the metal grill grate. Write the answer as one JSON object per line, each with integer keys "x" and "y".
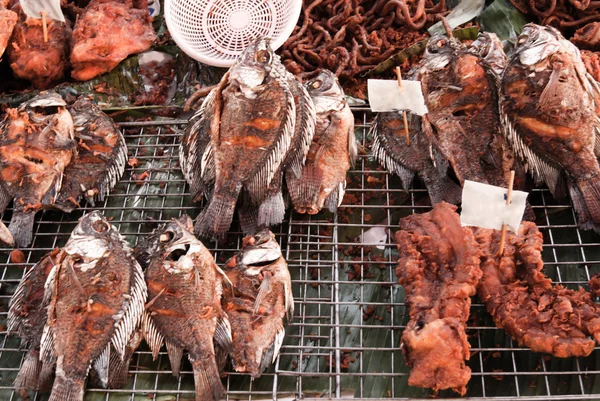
{"x": 344, "y": 340}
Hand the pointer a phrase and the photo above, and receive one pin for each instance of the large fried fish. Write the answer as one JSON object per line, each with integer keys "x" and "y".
{"x": 184, "y": 291}
{"x": 257, "y": 303}
{"x": 27, "y": 316}
{"x": 252, "y": 116}
{"x": 550, "y": 105}
{"x": 36, "y": 145}
{"x": 101, "y": 157}
{"x": 97, "y": 294}
{"x": 333, "y": 150}
{"x": 461, "y": 94}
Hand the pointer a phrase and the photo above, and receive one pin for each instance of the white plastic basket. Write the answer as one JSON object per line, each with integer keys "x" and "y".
{"x": 215, "y": 32}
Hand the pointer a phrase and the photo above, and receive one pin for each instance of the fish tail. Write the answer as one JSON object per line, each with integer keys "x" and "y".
{"x": 216, "y": 218}
{"x": 585, "y": 195}
{"x": 66, "y": 388}
{"x": 207, "y": 379}
{"x": 21, "y": 227}
{"x": 444, "y": 189}
{"x": 272, "y": 210}
{"x": 29, "y": 372}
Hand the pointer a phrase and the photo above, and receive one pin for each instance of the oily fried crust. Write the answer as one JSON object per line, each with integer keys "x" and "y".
{"x": 522, "y": 300}
{"x": 439, "y": 269}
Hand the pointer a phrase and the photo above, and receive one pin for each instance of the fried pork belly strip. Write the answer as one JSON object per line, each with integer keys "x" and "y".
{"x": 522, "y": 300}
{"x": 439, "y": 269}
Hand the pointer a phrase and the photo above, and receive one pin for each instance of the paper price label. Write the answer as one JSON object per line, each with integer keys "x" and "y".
{"x": 386, "y": 95}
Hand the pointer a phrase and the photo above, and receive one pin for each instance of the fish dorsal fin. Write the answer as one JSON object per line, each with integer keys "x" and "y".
{"x": 306, "y": 117}
{"x": 175, "y": 354}
{"x": 259, "y": 183}
{"x": 115, "y": 169}
{"x": 101, "y": 366}
{"x": 152, "y": 335}
{"x": 47, "y": 345}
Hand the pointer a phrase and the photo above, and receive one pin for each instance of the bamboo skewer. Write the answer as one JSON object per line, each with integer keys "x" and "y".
{"x": 511, "y": 182}
{"x": 44, "y": 26}
{"x": 404, "y": 117}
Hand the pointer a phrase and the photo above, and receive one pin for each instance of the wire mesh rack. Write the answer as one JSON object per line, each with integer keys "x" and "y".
{"x": 344, "y": 340}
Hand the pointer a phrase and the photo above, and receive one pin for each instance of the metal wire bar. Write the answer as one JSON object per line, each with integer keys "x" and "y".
{"x": 344, "y": 341}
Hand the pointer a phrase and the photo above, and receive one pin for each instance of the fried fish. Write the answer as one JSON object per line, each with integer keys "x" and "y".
{"x": 333, "y": 151}
{"x": 97, "y": 294}
{"x": 36, "y": 145}
{"x": 257, "y": 302}
{"x": 185, "y": 289}
{"x": 8, "y": 20}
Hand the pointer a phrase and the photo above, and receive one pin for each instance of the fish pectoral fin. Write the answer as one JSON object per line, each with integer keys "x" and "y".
{"x": 263, "y": 291}
{"x": 352, "y": 146}
{"x": 222, "y": 339}
{"x": 335, "y": 198}
{"x": 289, "y": 300}
{"x": 29, "y": 372}
{"x": 21, "y": 227}
{"x": 101, "y": 366}
{"x": 151, "y": 334}
{"x": 272, "y": 351}
{"x": 175, "y": 354}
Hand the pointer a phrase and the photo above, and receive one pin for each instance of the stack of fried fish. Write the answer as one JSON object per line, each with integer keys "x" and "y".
{"x": 536, "y": 111}
{"x": 259, "y": 126}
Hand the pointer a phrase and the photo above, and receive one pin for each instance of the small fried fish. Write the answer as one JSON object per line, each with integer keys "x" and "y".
{"x": 184, "y": 307}
{"x": 251, "y": 124}
{"x": 27, "y": 315}
{"x": 550, "y": 108}
{"x": 97, "y": 294}
{"x": 257, "y": 303}
{"x": 333, "y": 150}
{"x": 100, "y": 161}
{"x": 36, "y": 145}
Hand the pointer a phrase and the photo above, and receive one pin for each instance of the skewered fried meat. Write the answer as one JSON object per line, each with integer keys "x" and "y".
{"x": 522, "y": 300}
{"x": 42, "y": 63}
{"x": 8, "y": 20}
{"x": 105, "y": 34}
{"x": 439, "y": 269}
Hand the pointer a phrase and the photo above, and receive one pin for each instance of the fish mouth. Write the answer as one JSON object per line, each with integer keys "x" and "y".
{"x": 178, "y": 251}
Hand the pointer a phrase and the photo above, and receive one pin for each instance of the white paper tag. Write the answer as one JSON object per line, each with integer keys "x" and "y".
{"x": 33, "y": 9}
{"x": 485, "y": 206}
{"x": 386, "y": 95}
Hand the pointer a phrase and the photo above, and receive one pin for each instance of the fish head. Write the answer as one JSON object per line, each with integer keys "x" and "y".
{"x": 489, "y": 47}
{"x": 48, "y": 109}
{"x": 536, "y": 43}
{"x": 326, "y": 92}
{"x": 91, "y": 239}
{"x": 439, "y": 52}
{"x": 253, "y": 66}
{"x": 259, "y": 251}
{"x": 177, "y": 246}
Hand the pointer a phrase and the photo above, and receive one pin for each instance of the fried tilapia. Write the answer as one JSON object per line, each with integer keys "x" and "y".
{"x": 185, "y": 289}
{"x": 251, "y": 118}
{"x": 27, "y": 316}
{"x": 8, "y": 20}
{"x": 100, "y": 161}
{"x": 550, "y": 106}
{"x": 36, "y": 145}
{"x": 97, "y": 294}
{"x": 322, "y": 182}
{"x": 257, "y": 302}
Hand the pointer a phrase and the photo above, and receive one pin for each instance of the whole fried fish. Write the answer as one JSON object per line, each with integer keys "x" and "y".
{"x": 461, "y": 94}
{"x": 332, "y": 152}
{"x": 549, "y": 104}
{"x": 252, "y": 118}
{"x": 257, "y": 302}
{"x": 185, "y": 289}
{"x": 27, "y": 316}
{"x": 97, "y": 294}
{"x": 36, "y": 145}
{"x": 100, "y": 161}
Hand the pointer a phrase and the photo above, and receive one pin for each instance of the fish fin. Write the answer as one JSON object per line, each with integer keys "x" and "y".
{"x": 46, "y": 377}
{"x": 551, "y": 93}
{"x": 304, "y": 191}
{"x": 443, "y": 189}
{"x": 248, "y": 219}
{"x": 271, "y": 352}
{"x": 114, "y": 171}
{"x": 119, "y": 367}
{"x": 597, "y": 141}
{"x": 66, "y": 388}
{"x": 259, "y": 183}
{"x": 101, "y": 366}
{"x": 263, "y": 291}
{"x": 133, "y": 310}
{"x": 152, "y": 335}
{"x": 47, "y": 345}
{"x": 5, "y": 235}
{"x": 335, "y": 198}
{"x": 216, "y": 217}
{"x": 272, "y": 210}
{"x": 14, "y": 321}
{"x": 222, "y": 340}
{"x": 387, "y": 160}
{"x": 5, "y": 198}
{"x": 304, "y": 129}
{"x": 586, "y": 202}
{"x": 207, "y": 380}
{"x": 352, "y": 145}
{"x": 21, "y": 227}
{"x": 27, "y": 378}
{"x": 175, "y": 354}
{"x": 289, "y": 300}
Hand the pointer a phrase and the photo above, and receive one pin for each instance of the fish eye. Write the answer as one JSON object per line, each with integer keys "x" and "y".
{"x": 263, "y": 56}
{"x": 100, "y": 226}
{"x": 522, "y": 40}
{"x": 167, "y": 236}
{"x": 317, "y": 83}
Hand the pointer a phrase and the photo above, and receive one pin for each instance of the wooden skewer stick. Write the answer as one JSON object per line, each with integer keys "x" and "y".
{"x": 404, "y": 117}
{"x": 511, "y": 182}
{"x": 447, "y": 27}
{"x": 44, "y": 26}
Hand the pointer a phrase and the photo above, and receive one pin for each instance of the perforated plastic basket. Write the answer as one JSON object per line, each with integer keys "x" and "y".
{"x": 215, "y": 32}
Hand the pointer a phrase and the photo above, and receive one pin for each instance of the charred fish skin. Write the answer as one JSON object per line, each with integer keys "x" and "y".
{"x": 549, "y": 104}
{"x": 185, "y": 289}
{"x": 27, "y": 315}
{"x": 36, "y": 145}
{"x": 97, "y": 294}
{"x": 257, "y": 302}
{"x": 101, "y": 157}
{"x": 332, "y": 152}
{"x": 251, "y": 133}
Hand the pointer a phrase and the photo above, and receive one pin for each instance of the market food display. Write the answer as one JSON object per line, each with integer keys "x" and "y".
{"x": 8, "y": 20}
